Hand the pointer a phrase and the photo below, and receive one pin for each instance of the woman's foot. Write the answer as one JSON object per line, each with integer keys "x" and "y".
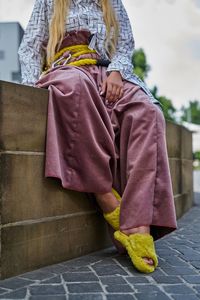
{"x": 108, "y": 203}
{"x": 141, "y": 229}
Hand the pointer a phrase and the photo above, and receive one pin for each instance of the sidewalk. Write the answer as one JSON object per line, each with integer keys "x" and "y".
{"x": 107, "y": 275}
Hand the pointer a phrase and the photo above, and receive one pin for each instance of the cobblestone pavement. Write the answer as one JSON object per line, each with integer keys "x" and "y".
{"x": 107, "y": 275}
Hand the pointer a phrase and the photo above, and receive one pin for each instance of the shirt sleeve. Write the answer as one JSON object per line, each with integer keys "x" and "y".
{"x": 30, "y": 50}
{"x": 122, "y": 59}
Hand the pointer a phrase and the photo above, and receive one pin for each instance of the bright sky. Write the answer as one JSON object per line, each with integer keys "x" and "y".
{"x": 168, "y": 31}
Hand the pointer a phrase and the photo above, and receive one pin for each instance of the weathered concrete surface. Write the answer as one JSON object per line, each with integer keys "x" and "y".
{"x": 179, "y": 145}
{"x": 42, "y": 223}
{"x": 107, "y": 275}
{"x": 23, "y": 117}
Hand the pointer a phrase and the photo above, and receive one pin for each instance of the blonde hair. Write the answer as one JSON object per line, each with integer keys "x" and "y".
{"x": 57, "y": 27}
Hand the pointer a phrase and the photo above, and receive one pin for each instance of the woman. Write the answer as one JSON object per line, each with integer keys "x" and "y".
{"x": 106, "y": 132}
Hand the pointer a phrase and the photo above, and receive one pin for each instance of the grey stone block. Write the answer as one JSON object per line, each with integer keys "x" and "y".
{"x": 85, "y": 297}
{"x": 167, "y": 279}
{"x": 47, "y": 289}
{"x": 53, "y": 280}
{"x": 119, "y": 288}
{"x": 2, "y": 291}
{"x": 18, "y": 294}
{"x": 196, "y": 264}
{"x": 186, "y": 297}
{"x": 112, "y": 280}
{"x": 179, "y": 271}
{"x": 14, "y": 283}
{"x": 176, "y": 261}
{"x": 147, "y": 288}
{"x": 91, "y": 287}
{"x": 119, "y": 297}
{"x": 54, "y": 297}
{"x": 197, "y": 288}
{"x": 107, "y": 270}
{"x": 153, "y": 296}
{"x": 193, "y": 279}
{"x": 178, "y": 289}
{"x": 37, "y": 275}
{"x": 80, "y": 277}
{"x": 139, "y": 279}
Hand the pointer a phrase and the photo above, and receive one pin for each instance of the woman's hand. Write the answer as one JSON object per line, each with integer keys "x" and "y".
{"x": 112, "y": 87}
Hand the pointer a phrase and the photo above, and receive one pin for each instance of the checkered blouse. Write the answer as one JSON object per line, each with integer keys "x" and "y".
{"x": 83, "y": 14}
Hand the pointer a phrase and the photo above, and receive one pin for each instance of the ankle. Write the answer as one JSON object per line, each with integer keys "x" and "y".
{"x": 107, "y": 202}
{"x": 140, "y": 229}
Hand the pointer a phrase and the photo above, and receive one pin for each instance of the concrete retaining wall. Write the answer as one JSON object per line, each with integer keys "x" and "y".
{"x": 42, "y": 223}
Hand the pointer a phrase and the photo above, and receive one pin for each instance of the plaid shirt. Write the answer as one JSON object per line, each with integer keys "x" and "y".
{"x": 83, "y": 14}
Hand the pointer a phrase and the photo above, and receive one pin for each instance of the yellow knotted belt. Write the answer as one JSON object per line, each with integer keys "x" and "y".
{"x": 63, "y": 57}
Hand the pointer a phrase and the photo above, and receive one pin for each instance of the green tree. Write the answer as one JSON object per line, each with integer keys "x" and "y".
{"x": 191, "y": 113}
{"x": 141, "y": 67}
{"x": 197, "y": 155}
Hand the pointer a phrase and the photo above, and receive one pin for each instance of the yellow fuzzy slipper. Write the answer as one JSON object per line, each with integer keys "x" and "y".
{"x": 139, "y": 246}
{"x": 113, "y": 217}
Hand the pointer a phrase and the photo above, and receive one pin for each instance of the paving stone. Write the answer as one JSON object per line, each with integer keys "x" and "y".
{"x": 166, "y": 252}
{"x": 55, "y": 269}
{"x": 176, "y": 261}
{"x": 18, "y": 294}
{"x": 85, "y": 297}
{"x": 157, "y": 272}
{"x": 135, "y": 273}
{"x": 107, "y": 270}
{"x": 119, "y": 288}
{"x": 185, "y": 297}
{"x": 3, "y": 290}
{"x": 47, "y": 289}
{"x": 112, "y": 280}
{"x": 196, "y": 264}
{"x": 54, "y": 297}
{"x": 179, "y": 271}
{"x": 92, "y": 287}
{"x": 124, "y": 260}
{"x": 77, "y": 269}
{"x": 154, "y": 296}
{"x": 53, "y": 280}
{"x": 139, "y": 279}
{"x": 37, "y": 275}
{"x": 167, "y": 279}
{"x": 178, "y": 289}
{"x": 14, "y": 283}
{"x": 80, "y": 277}
{"x": 191, "y": 257}
{"x": 147, "y": 288}
{"x": 119, "y": 297}
{"x": 105, "y": 262}
{"x": 197, "y": 287}
{"x": 193, "y": 279}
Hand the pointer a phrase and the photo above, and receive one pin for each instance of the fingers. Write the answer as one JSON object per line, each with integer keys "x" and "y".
{"x": 113, "y": 92}
{"x": 112, "y": 87}
{"x": 103, "y": 89}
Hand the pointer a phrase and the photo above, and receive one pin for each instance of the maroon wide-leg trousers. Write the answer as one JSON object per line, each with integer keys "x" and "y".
{"x": 92, "y": 146}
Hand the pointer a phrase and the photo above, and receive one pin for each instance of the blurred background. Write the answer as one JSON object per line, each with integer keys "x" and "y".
{"x": 167, "y": 55}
